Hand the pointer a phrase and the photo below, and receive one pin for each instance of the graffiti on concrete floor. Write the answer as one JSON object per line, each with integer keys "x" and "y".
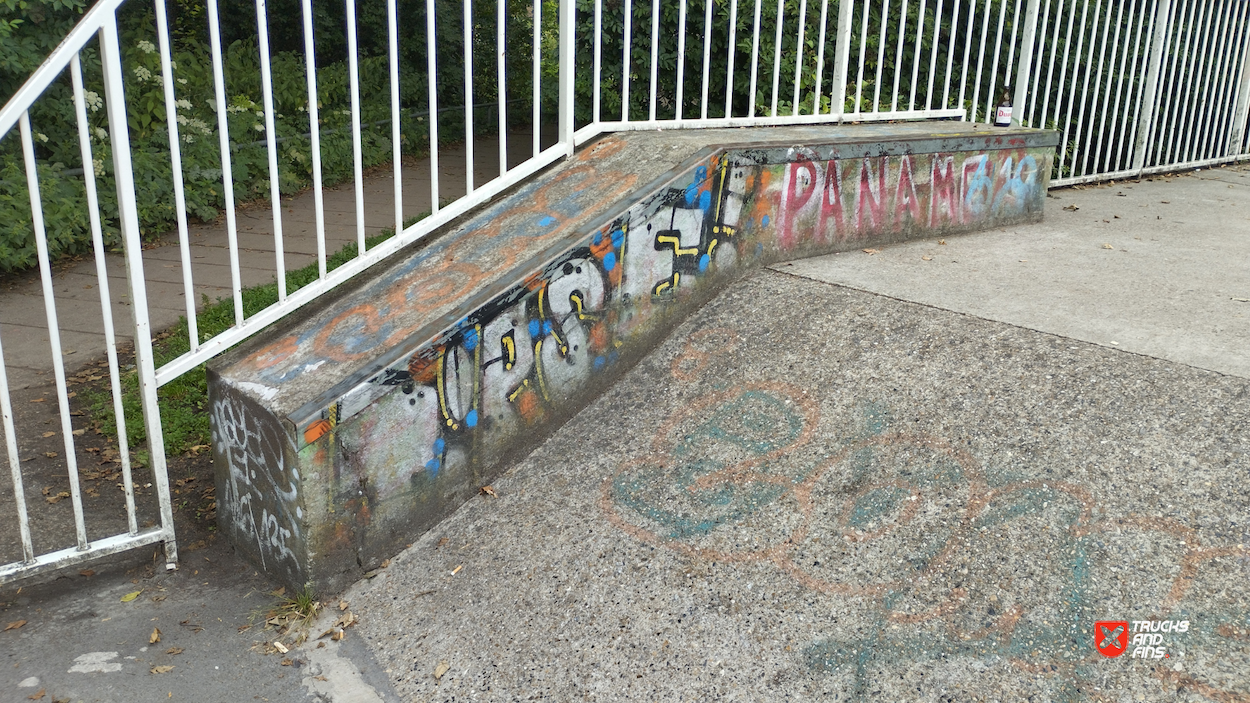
{"x": 908, "y": 523}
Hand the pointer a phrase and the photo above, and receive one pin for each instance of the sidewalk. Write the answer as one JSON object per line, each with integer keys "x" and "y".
{"x": 922, "y": 474}
{"x": 23, "y": 321}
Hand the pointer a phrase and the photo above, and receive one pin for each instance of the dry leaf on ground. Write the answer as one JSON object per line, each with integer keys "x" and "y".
{"x": 131, "y": 596}
{"x": 14, "y": 625}
{"x": 440, "y": 669}
{"x": 490, "y": 491}
{"x": 174, "y": 650}
{"x": 163, "y": 669}
{"x": 155, "y": 636}
{"x": 37, "y": 696}
{"x": 872, "y": 251}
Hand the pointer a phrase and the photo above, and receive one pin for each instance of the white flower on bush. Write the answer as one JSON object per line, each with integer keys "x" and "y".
{"x": 182, "y": 104}
{"x": 143, "y": 74}
{"x": 41, "y": 137}
{"x": 182, "y": 81}
{"x": 188, "y": 138}
{"x": 146, "y": 46}
{"x": 259, "y": 113}
{"x": 101, "y": 133}
{"x": 258, "y": 127}
{"x": 235, "y": 108}
{"x": 97, "y": 165}
{"x": 93, "y": 100}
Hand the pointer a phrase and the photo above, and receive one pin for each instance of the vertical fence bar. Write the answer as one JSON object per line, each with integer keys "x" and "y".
{"x": 863, "y": 59}
{"x": 976, "y": 88}
{"x": 102, "y": 283}
{"x": 538, "y": 61}
{"x": 1113, "y": 161}
{"x": 755, "y": 59}
{"x": 1193, "y": 84}
{"x": 950, "y": 55}
{"x": 1180, "y": 64}
{"x": 1202, "y": 113}
{"x": 353, "y": 73}
{"x": 15, "y": 466}
{"x": 128, "y": 214}
{"x": 1011, "y": 46}
{"x": 432, "y": 88}
{"x": 798, "y": 58}
{"x": 1102, "y": 55}
{"x": 314, "y": 135}
{"x": 933, "y": 54}
{"x": 729, "y": 71}
{"x": 54, "y": 330}
{"x": 598, "y": 67}
{"x": 223, "y": 143}
{"x": 1085, "y": 97}
{"x": 1063, "y": 77}
{"x": 502, "y": 82}
{"x": 1149, "y": 90}
{"x": 681, "y": 58}
{"x": 1225, "y": 91}
{"x": 820, "y": 57}
{"x": 1067, "y": 122}
{"x": 998, "y": 45}
{"x": 1027, "y": 46}
{"x": 1131, "y": 121}
{"x": 655, "y": 53}
{"x": 271, "y": 146}
{"x": 707, "y": 53}
{"x": 1237, "y": 139}
{"x": 397, "y": 151}
{"x": 469, "y": 164}
{"x": 915, "y": 63}
{"x": 629, "y": 39}
{"x": 175, "y": 163}
{"x": 1050, "y": 70}
{"x": 1040, "y": 49}
{"x": 885, "y": 13}
{"x": 898, "y": 56}
{"x": 837, "y": 94}
{"x": 567, "y": 9}
{"x": 777, "y": 54}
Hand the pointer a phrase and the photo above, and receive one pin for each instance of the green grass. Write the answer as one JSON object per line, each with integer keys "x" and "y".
{"x": 184, "y": 400}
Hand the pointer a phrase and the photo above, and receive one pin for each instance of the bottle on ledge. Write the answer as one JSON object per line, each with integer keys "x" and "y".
{"x": 1002, "y": 116}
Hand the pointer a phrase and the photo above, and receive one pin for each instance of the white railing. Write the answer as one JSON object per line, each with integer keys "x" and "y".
{"x": 1135, "y": 86}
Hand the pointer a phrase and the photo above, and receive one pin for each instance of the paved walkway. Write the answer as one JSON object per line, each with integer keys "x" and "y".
{"x": 23, "y": 321}
{"x": 924, "y": 474}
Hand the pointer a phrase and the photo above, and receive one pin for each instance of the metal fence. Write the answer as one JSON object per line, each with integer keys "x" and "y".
{"x": 1135, "y": 86}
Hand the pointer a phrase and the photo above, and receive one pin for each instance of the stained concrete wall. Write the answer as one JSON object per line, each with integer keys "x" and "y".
{"x": 322, "y": 474}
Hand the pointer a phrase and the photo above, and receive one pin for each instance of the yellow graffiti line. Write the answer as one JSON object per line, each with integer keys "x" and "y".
{"x": 538, "y": 365}
{"x": 663, "y": 285}
{"x": 517, "y": 391}
{"x": 442, "y": 391}
{"x": 675, "y": 242}
{"x": 712, "y": 247}
{"x": 509, "y": 350}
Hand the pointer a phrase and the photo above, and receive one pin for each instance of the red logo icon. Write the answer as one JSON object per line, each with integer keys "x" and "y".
{"x": 1111, "y": 637}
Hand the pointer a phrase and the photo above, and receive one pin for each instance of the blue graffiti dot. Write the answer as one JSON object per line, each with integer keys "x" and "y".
{"x": 471, "y": 418}
{"x": 599, "y": 362}
{"x": 764, "y": 220}
{"x": 433, "y": 465}
{"x": 691, "y": 193}
{"x": 547, "y": 221}
{"x": 534, "y": 328}
{"x": 438, "y": 445}
{"x": 618, "y": 236}
{"x": 598, "y": 239}
{"x": 609, "y": 261}
{"x": 470, "y": 340}
{"x": 612, "y": 357}
{"x": 703, "y": 262}
{"x": 546, "y": 328}
{"x": 700, "y": 173}
{"x": 705, "y": 200}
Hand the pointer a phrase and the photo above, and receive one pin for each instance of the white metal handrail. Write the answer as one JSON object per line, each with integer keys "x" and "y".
{"x": 1093, "y": 69}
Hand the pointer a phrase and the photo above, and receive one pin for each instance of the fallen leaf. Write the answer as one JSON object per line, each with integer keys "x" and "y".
{"x": 385, "y": 563}
{"x": 321, "y": 678}
{"x": 131, "y": 596}
{"x": 280, "y": 647}
{"x": 38, "y": 400}
{"x": 927, "y": 258}
{"x": 155, "y": 636}
{"x": 440, "y": 669}
{"x": 942, "y": 242}
{"x": 36, "y": 696}
{"x": 14, "y": 625}
{"x": 87, "y": 572}
{"x": 48, "y": 434}
{"x": 342, "y": 605}
{"x": 1072, "y": 208}
{"x": 490, "y": 491}
{"x": 175, "y": 650}
{"x": 442, "y": 542}
{"x": 870, "y": 252}
{"x": 1107, "y": 246}
{"x": 50, "y": 455}
{"x": 78, "y": 433}
{"x": 163, "y": 669}
{"x": 457, "y": 570}
{"x": 286, "y": 662}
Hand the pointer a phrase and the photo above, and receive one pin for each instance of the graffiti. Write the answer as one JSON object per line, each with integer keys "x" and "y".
{"x": 908, "y": 524}
{"x": 259, "y": 499}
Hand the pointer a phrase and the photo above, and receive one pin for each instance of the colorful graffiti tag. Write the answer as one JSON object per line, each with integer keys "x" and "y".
{"x": 909, "y": 524}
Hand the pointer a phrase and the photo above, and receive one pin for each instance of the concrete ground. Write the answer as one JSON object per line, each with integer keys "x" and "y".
{"x": 921, "y": 474}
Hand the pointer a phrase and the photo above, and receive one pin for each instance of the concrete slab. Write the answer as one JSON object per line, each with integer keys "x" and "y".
{"x": 814, "y": 493}
{"x": 1160, "y": 267}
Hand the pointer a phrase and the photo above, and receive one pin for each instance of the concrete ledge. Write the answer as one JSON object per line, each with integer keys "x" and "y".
{"x": 342, "y": 436}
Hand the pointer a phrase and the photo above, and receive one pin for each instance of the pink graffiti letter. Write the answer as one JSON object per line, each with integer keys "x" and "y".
{"x": 905, "y": 199}
{"x": 831, "y": 203}
{"x": 871, "y": 202}
{"x": 943, "y": 200}
{"x": 798, "y": 191}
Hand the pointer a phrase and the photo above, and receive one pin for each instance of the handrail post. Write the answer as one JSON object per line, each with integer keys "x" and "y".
{"x": 1025, "y": 67}
{"x": 1145, "y": 126}
{"x": 567, "y": 8}
{"x": 838, "y": 93}
{"x": 128, "y": 211}
{"x": 1236, "y": 141}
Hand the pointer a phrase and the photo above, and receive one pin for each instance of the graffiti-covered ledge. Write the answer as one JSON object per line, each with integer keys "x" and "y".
{"x": 341, "y": 437}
